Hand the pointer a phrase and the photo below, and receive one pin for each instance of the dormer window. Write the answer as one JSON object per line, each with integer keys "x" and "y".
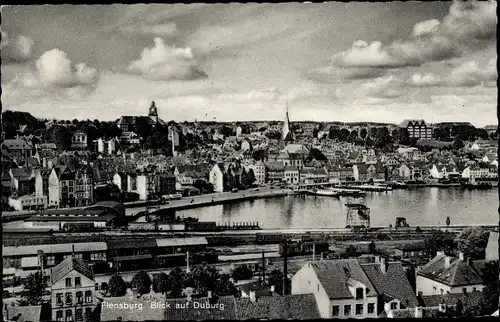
{"x": 359, "y": 293}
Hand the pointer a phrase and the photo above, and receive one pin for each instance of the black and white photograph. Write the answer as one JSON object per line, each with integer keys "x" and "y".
{"x": 249, "y": 161}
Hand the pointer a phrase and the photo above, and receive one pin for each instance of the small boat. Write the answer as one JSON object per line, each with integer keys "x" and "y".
{"x": 326, "y": 192}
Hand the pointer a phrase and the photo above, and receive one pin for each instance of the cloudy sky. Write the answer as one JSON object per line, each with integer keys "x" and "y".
{"x": 330, "y": 61}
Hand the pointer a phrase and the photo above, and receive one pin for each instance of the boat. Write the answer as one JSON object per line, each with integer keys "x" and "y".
{"x": 326, "y": 192}
{"x": 399, "y": 185}
{"x": 477, "y": 185}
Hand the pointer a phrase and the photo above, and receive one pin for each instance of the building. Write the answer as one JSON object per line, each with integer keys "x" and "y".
{"x": 128, "y": 123}
{"x": 79, "y": 140}
{"x": 28, "y": 202}
{"x": 418, "y": 129}
{"x": 72, "y": 291}
{"x": 313, "y": 175}
{"x": 448, "y": 275}
{"x": 492, "y": 247}
{"x": 147, "y": 184}
{"x": 216, "y": 178}
{"x": 287, "y": 135}
{"x": 42, "y": 182}
{"x": 54, "y": 195}
{"x": 259, "y": 170}
{"x": 32, "y": 313}
{"x": 22, "y": 180}
{"x": 166, "y": 184}
{"x": 84, "y": 186}
{"x": 292, "y": 175}
{"x": 67, "y": 188}
{"x": 360, "y": 172}
{"x": 375, "y": 172}
{"x": 290, "y": 159}
{"x": 341, "y": 288}
{"x": 18, "y": 149}
{"x": 275, "y": 171}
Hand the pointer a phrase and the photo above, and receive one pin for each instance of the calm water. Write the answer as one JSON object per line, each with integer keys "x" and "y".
{"x": 425, "y": 206}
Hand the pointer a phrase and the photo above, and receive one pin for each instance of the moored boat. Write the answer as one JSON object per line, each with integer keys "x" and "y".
{"x": 477, "y": 185}
{"x": 326, "y": 192}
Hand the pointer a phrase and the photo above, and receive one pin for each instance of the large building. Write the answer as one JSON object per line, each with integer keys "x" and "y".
{"x": 287, "y": 135}
{"x": 128, "y": 123}
{"x": 418, "y": 129}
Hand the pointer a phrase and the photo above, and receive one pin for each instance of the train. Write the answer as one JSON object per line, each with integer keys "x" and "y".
{"x": 300, "y": 248}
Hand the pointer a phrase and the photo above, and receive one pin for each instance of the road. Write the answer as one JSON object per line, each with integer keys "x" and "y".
{"x": 218, "y": 198}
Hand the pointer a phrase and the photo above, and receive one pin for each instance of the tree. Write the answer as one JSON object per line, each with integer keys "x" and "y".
{"x": 224, "y": 286}
{"x": 351, "y": 251}
{"x": 226, "y": 131}
{"x": 117, "y": 286}
{"x": 315, "y": 133}
{"x": 178, "y": 279}
{"x": 142, "y": 282}
{"x": 473, "y": 241}
{"x": 458, "y": 143}
{"x": 315, "y": 154}
{"x": 241, "y": 272}
{"x": 343, "y": 135}
{"x": 363, "y": 133}
{"x": 353, "y": 136}
{"x": 273, "y": 135}
{"x": 482, "y": 134}
{"x": 382, "y": 139}
{"x": 248, "y": 178}
{"x": 61, "y": 136}
{"x": 143, "y": 128}
{"x": 259, "y": 155}
{"x": 439, "y": 240}
{"x": 35, "y": 286}
{"x": 203, "y": 279}
{"x": 162, "y": 283}
{"x": 402, "y": 136}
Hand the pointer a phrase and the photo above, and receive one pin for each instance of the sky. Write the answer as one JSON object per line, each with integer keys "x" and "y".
{"x": 379, "y": 62}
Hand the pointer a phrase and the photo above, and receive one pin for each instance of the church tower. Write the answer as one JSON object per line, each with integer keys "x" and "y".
{"x": 153, "y": 112}
{"x": 286, "y": 133}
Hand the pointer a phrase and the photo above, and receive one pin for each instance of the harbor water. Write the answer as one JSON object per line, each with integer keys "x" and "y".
{"x": 421, "y": 207}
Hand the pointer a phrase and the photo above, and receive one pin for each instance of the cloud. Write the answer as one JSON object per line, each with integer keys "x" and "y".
{"x": 16, "y": 50}
{"x": 424, "y": 80}
{"x": 332, "y": 74}
{"x": 271, "y": 94}
{"x": 163, "y": 62}
{"x": 471, "y": 74}
{"x": 166, "y": 29}
{"x": 468, "y": 26}
{"x": 53, "y": 75}
{"x": 384, "y": 87}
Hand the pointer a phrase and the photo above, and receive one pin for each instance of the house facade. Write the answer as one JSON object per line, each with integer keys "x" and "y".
{"x": 216, "y": 178}
{"x": 79, "y": 140}
{"x": 84, "y": 187}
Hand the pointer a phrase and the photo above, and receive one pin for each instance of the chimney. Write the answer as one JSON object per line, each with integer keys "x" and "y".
{"x": 442, "y": 307}
{"x": 461, "y": 256}
{"x": 468, "y": 260}
{"x": 383, "y": 265}
{"x": 73, "y": 250}
{"x": 209, "y": 295}
{"x": 418, "y": 312}
{"x": 377, "y": 258}
{"x": 447, "y": 261}
{"x": 272, "y": 288}
{"x": 440, "y": 253}
{"x": 314, "y": 252}
{"x": 253, "y": 296}
{"x": 187, "y": 261}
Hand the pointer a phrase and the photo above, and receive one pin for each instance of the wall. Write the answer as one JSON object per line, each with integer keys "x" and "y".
{"x": 305, "y": 281}
{"x": 426, "y": 286}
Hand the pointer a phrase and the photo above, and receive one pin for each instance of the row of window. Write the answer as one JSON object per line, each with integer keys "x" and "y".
{"x": 69, "y": 314}
{"x": 68, "y": 298}
{"x": 359, "y": 309}
{"x": 78, "y": 281}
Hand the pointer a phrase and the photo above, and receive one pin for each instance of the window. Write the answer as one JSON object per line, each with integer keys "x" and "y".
{"x": 318, "y": 287}
{"x": 371, "y": 308}
{"x": 69, "y": 298}
{"x": 68, "y": 282}
{"x": 434, "y": 288}
{"x": 59, "y": 315}
{"x": 88, "y": 311}
{"x": 474, "y": 289}
{"x": 441, "y": 290}
{"x": 464, "y": 289}
{"x": 88, "y": 296}
{"x": 78, "y": 280}
{"x": 79, "y": 314}
{"x": 69, "y": 315}
{"x": 79, "y": 297}
{"x": 359, "y": 309}
{"x": 59, "y": 300}
{"x": 335, "y": 310}
{"x": 347, "y": 310}
{"x": 394, "y": 306}
{"x": 359, "y": 293}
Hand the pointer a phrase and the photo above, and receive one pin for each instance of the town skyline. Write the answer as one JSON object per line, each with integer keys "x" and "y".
{"x": 432, "y": 61}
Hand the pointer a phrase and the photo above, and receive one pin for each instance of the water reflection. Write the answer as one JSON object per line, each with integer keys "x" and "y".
{"x": 426, "y": 206}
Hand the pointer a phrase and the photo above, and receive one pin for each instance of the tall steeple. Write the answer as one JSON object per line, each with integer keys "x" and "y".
{"x": 286, "y": 134}
{"x": 153, "y": 112}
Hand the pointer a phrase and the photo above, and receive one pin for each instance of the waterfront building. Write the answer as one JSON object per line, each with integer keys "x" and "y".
{"x": 22, "y": 180}
{"x": 472, "y": 172}
{"x": 404, "y": 172}
{"x": 259, "y": 170}
{"x": 147, "y": 184}
{"x": 167, "y": 184}
{"x": 313, "y": 175}
{"x": 447, "y": 274}
{"x": 275, "y": 171}
{"x": 349, "y": 295}
{"x": 72, "y": 291}
{"x": 418, "y": 129}
{"x": 292, "y": 175}
{"x": 28, "y": 202}
{"x": 216, "y": 178}
{"x": 290, "y": 159}
{"x": 79, "y": 140}
{"x": 360, "y": 172}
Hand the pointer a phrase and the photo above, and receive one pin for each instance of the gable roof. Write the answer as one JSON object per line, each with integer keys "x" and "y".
{"x": 468, "y": 299}
{"x": 457, "y": 274}
{"x": 68, "y": 265}
{"x": 192, "y": 314}
{"x": 297, "y": 307}
{"x": 393, "y": 283}
{"x": 22, "y": 174}
{"x": 335, "y": 274}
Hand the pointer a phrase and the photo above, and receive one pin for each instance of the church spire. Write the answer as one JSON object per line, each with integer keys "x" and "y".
{"x": 153, "y": 111}
{"x": 286, "y": 132}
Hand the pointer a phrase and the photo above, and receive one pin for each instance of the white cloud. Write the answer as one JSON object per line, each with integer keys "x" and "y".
{"x": 468, "y": 26}
{"x": 163, "y": 62}
{"x": 333, "y": 74}
{"x": 384, "y": 87}
{"x": 425, "y": 27}
{"x": 17, "y": 49}
{"x": 424, "y": 80}
{"x": 470, "y": 74}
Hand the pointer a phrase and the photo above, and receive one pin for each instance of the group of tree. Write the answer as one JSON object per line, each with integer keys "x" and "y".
{"x": 202, "y": 278}
{"x": 472, "y": 242}
{"x": 378, "y": 137}
{"x": 464, "y": 132}
{"x": 439, "y": 240}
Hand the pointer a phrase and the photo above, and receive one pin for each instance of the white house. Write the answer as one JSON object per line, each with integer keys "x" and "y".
{"x": 448, "y": 275}
{"x": 259, "y": 170}
{"x": 216, "y": 178}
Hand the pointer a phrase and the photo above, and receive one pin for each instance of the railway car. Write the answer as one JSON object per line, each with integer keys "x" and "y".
{"x": 78, "y": 227}
{"x": 201, "y": 226}
{"x": 269, "y": 239}
{"x": 304, "y": 248}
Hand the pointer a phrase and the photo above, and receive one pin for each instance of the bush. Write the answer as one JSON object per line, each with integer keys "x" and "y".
{"x": 117, "y": 286}
{"x": 142, "y": 282}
